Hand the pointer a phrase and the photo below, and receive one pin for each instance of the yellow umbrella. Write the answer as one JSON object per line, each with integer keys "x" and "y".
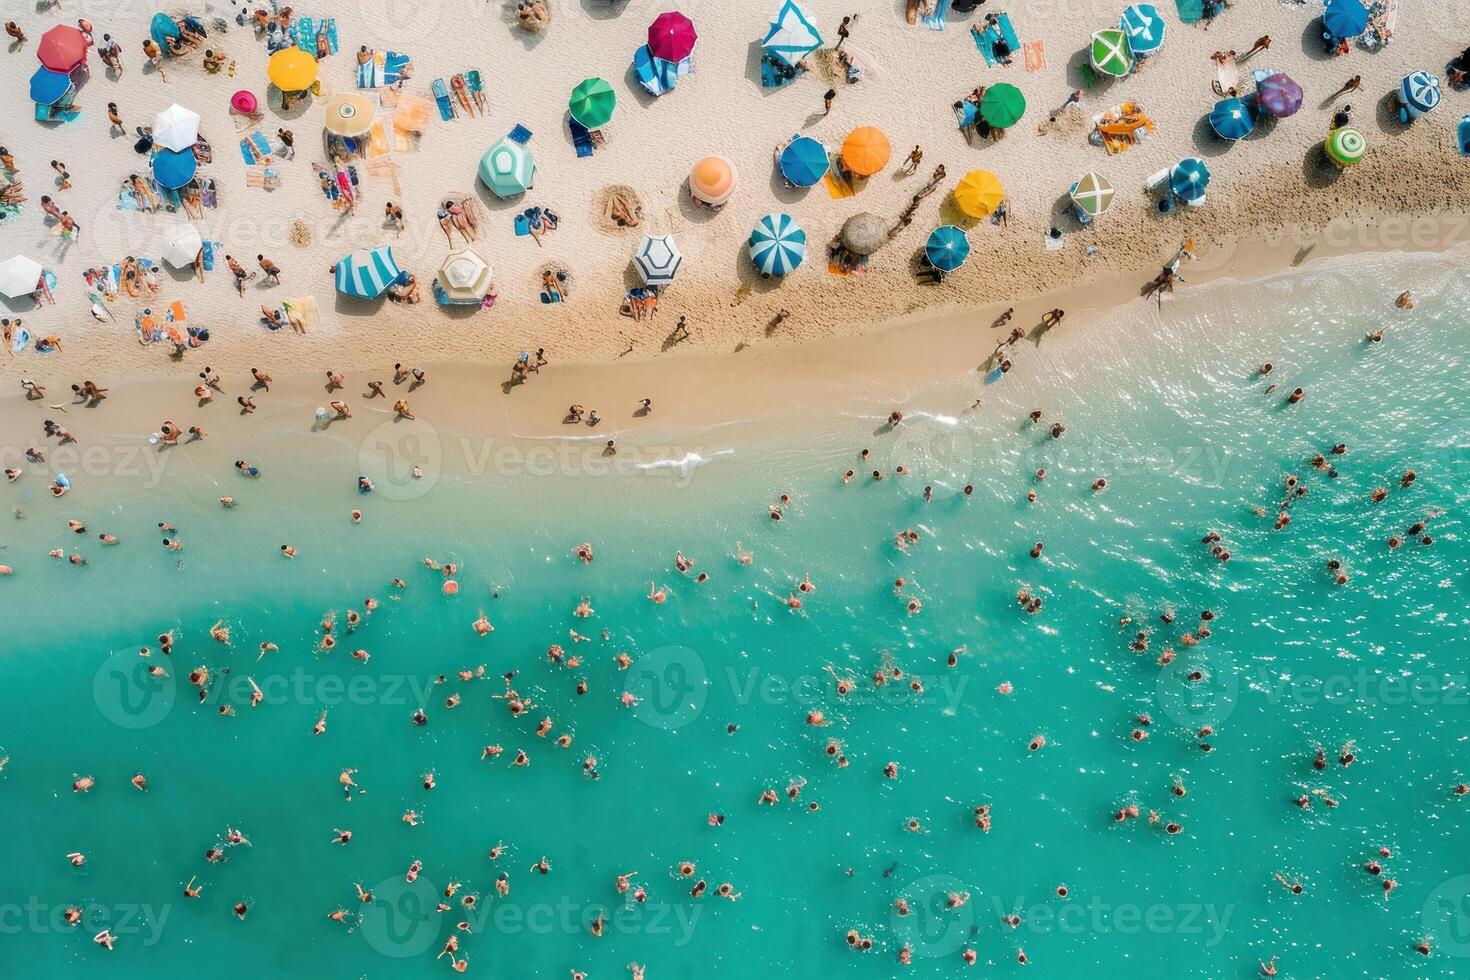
{"x": 349, "y": 114}
{"x": 866, "y": 150}
{"x": 291, "y": 70}
{"x": 979, "y": 193}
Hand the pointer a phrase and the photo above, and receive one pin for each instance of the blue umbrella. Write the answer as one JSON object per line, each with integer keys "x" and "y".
{"x": 777, "y": 245}
{"x": 1144, "y": 27}
{"x": 1189, "y": 178}
{"x": 174, "y": 168}
{"x": 804, "y": 161}
{"x": 368, "y": 273}
{"x": 162, "y": 28}
{"x": 49, "y": 87}
{"x": 1419, "y": 92}
{"x": 947, "y": 248}
{"x": 1344, "y": 19}
{"x": 1232, "y": 119}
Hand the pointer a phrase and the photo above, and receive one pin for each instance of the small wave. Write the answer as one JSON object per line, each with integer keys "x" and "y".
{"x": 685, "y": 463}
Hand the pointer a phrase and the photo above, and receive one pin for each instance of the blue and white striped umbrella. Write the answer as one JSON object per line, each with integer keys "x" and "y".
{"x": 1189, "y": 178}
{"x": 367, "y": 274}
{"x": 792, "y": 35}
{"x": 777, "y": 245}
{"x": 947, "y": 248}
{"x": 1419, "y": 92}
{"x": 1144, "y": 27}
{"x": 1232, "y": 119}
{"x": 658, "y": 259}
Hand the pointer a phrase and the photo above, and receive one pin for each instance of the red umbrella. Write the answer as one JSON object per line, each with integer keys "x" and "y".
{"x": 671, "y": 36}
{"x": 62, "y": 49}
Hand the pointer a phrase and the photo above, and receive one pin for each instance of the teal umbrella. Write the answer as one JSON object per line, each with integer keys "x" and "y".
{"x": 947, "y": 248}
{"x": 777, "y": 245}
{"x": 507, "y": 168}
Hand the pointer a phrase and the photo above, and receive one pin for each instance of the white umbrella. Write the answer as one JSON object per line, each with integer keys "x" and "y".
{"x": 181, "y": 243}
{"x": 658, "y": 259}
{"x": 19, "y": 276}
{"x": 175, "y": 128}
{"x": 464, "y": 276}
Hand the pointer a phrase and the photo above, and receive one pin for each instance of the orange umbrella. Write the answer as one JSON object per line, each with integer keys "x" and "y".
{"x": 866, "y": 151}
{"x": 712, "y": 180}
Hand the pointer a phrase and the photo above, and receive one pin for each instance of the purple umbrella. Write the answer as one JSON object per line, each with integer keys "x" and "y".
{"x": 1279, "y": 95}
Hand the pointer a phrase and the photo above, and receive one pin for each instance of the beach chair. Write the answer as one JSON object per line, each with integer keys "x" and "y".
{"x": 581, "y": 138}
{"x": 1227, "y": 76}
{"x": 476, "y": 86}
{"x": 520, "y": 134}
{"x": 411, "y": 115}
{"x": 441, "y": 96}
{"x": 937, "y": 20}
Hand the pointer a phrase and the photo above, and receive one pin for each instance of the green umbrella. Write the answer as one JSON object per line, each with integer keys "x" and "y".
{"x": 1111, "y": 52}
{"x": 592, "y": 103}
{"x": 1345, "y": 147}
{"x": 1002, "y": 105}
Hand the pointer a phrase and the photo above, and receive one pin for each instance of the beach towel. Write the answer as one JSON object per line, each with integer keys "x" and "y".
{"x": 522, "y": 225}
{"x": 937, "y": 21}
{"x": 985, "y": 39}
{"x": 837, "y": 188}
{"x": 210, "y": 250}
{"x": 1035, "y": 56}
{"x": 306, "y": 29}
{"x": 208, "y": 194}
{"x": 20, "y": 341}
{"x": 1190, "y": 11}
{"x": 776, "y": 74}
{"x": 441, "y": 96}
{"x": 581, "y": 138}
{"x": 302, "y": 312}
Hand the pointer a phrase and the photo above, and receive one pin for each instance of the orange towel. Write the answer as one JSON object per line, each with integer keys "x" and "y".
{"x": 1035, "y": 55}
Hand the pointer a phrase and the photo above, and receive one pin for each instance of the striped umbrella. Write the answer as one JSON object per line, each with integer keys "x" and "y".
{"x": 508, "y": 168}
{"x": 979, "y": 193}
{"x": 1189, "y": 178}
{"x": 1002, "y": 105}
{"x": 1344, "y": 18}
{"x": 804, "y": 161}
{"x": 792, "y": 35}
{"x": 671, "y": 36}
{"x": 1279, "y": 95}
{"x": 658, "y": 259}
{"x": 1144, "y": 27}
{"x": 1110, "y": 53}
{"x": 1232, "y": 119}
{"x": 592, "y": 103}
{"x": 1419, "y": 92}
{"x": 1345, "y": 147}
{"x": 777, "y": 245}
{"x": 366, "y": 274}
{"x": 464, "y": 276}
{"x": 947, "y": 248}
{"x": 174, "y": 168}
{"x": 1092, "y": 193}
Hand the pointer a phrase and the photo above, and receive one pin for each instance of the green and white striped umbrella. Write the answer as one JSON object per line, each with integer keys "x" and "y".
{"x": 1111, "y": 52}
{"x": 777, "y": 245}
{"x": 1345, "y": 147}
{"x": 1092, "y": 193}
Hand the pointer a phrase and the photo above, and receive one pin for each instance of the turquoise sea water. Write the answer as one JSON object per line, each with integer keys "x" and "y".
{"x": 1166, "y": 407}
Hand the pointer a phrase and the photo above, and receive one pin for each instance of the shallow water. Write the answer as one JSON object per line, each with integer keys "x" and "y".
{"x": 1165, "y": 406}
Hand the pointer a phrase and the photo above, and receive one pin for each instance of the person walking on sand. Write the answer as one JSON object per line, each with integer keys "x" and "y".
{"x": 911, "y": 165}
{"x": 827, "y": 101}
{"x": 15, "y": 32}
{"x": 843, "y": 32}
{"x": 1351, "y": 85}
{"x": 114, "y": 118}
{"x": 271, "y": 270}
{"x": 681, "y": 328}
{"x": 288, "y": 143}
{"x": 1262, "y": 43}
{"x": 155, "y": 57}
{"x": 61, "y": 171}
{"x": 241, "y": 277}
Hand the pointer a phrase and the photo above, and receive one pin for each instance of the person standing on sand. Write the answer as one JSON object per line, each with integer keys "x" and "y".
{"x": 911, "y": 165}
{"x": 827, "y": 101}
{"x": 843, "y": 32}
{"x": 1351, "y": 85}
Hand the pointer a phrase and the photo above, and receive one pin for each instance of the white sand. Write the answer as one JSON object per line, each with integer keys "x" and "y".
{"x": 1268, "y": 185}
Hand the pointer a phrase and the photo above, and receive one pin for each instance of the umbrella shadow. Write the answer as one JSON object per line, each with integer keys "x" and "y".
{"x": 751, "y": 277}
{"x": 692, "y": 209}
{"x": 784, "y": 192}
{"x": 630, "y": 79}
{"x": 1386, "y": 115}
{"x": 1312, "y": 44}
{"x": 358, "y": 308}
{"x": 1207, "y": 142}
{"x": 604, "y": 9}
{"x": 1318, "y": 168}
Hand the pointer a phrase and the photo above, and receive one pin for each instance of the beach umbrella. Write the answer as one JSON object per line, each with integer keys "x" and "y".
{"x": 175, "y": 128}
{"x": 174, "y": 168}
{"x": 19, "y": 276}
{"x": 1344, "y": 18}
{"x": 1092, "y": 193}
{"x": 947, "y": 248}
{"x": 1345, "y": 147}
{"x": 1189, "y": 178}
{"x": 291, "y": 70}
{"x": 366, "y": 274}
{"x": 803, "y": 161}
{"x": 978, "y": 193}
{"x": 49, "y": 87}
{"x": 1279, "y": 95}
{"x": 865, "y": 151}
{"x": 63, "y": 48}
{"x": 349, "y": 114}
{"x": 712, "y": 180}
{"x": 1110, "y": 53}
{"x": 181, "y": 243}
{"x": 671, "y": 36}
{"x": 464, "y": 276}
{"x": 864, "y": 233}
{"x": 1002, "y": 105}
{"x": 657, "y": 259}
{"x": 1232, "y": 119}
{"x": 507, "y": 168}
{"x": 592, "y": 103}
{"x": 163, "y": 27}
{"x": 792, "y": 34}
{"x": 1419, "y": 92}
{"x": 777, "y": 245}
{"x": 1144, "y": 27}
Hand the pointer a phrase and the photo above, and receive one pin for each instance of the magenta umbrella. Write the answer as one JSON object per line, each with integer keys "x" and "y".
{"x": 671, "y": 36}
{"x": 1279, "y": 95}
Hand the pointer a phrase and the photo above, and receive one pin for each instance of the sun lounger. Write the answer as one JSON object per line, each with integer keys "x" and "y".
{"x": 441, "y": 96}
{"x": 581, "y": 138}
{"x": 936, "y": 21}
{"x": 1227, "y": 76}
{"x": 476, "y": 86}
{"x": 520, "y": 135}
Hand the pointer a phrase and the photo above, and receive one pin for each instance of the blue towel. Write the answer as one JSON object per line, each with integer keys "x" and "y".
{"x": 1190, "y": 11}
{"x": 522, "y": 225}
{"x": 775, "y": 74}
{"x": 520, "y": 135}
{"x": 261, "y": 143}
{"x": 937, "y": 20}
{"x": 581, "y": 138}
